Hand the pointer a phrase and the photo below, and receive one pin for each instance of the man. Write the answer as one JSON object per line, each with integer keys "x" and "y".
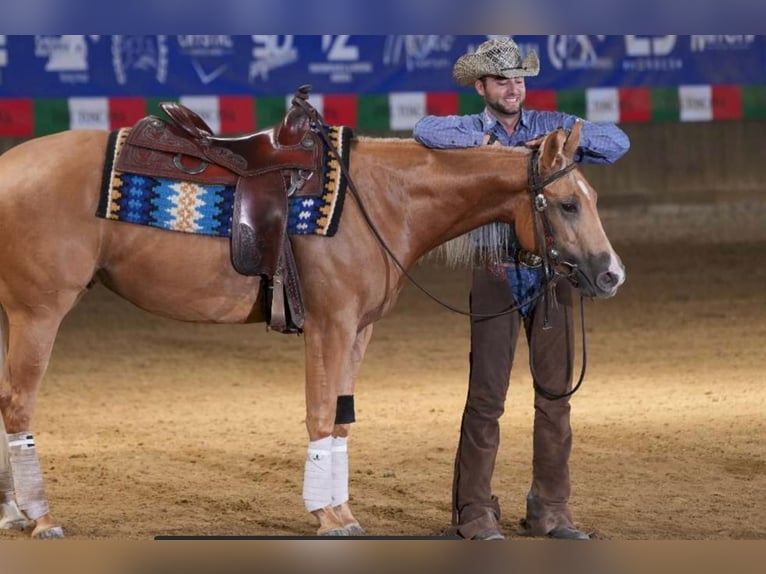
{"x": 497, "y": 72}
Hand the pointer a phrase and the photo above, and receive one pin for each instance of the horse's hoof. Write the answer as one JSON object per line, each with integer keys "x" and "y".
{"x": 333, "y": 532}
{"x": 52, "y": 533}
{"x": 14, "y": 523}
{"x": 354, "y": 529}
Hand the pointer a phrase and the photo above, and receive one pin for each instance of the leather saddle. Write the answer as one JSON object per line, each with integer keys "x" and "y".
{"x": 265, "y": 167}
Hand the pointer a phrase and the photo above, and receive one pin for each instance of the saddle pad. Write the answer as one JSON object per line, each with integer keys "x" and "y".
{"x": 188, "y": 207}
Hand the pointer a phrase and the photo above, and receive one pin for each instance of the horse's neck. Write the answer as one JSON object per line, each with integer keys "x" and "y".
{"x": 466, "y": 189}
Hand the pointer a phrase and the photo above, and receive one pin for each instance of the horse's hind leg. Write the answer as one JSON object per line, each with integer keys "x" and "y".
{"x": 30, "y": 336}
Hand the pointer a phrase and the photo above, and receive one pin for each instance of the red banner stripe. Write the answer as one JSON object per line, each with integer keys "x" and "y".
{"x": 237, "y": 114}
{"x": 635, "y": 104}
{"x": 340, "y": 109}
{"x": 124, "y": 112}
{"x": 442, "y": 103}
{"x": 727, "y": 102}
{"x": 17, "y": 118}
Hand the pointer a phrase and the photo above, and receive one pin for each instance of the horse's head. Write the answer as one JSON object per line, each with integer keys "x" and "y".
{"x": 563, "y": 215}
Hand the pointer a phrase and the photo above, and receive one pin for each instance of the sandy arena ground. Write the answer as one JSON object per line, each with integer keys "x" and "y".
{"x": 147, "y": 426}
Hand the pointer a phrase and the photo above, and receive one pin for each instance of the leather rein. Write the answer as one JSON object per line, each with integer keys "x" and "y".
{"x": 543, "y": 232}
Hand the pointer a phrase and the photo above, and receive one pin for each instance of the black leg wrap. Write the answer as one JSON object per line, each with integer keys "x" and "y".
{"x": 344, "y": 413}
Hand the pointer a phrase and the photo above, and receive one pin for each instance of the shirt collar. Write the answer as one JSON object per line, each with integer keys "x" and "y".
{"x": 489, "y": 120}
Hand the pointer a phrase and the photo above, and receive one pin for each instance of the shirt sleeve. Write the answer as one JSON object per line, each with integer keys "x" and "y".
{"x": 444, "y": 132}
{"x": 600, "y": 142}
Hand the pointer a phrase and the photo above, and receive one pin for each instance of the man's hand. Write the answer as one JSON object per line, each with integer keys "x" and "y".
{"x": 535, "y": 143}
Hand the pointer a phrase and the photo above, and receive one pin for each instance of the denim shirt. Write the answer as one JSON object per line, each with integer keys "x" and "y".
{"x": 601, "y": 143}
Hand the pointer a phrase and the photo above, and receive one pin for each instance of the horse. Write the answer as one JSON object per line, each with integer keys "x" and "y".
{"x": 407, "y": 200}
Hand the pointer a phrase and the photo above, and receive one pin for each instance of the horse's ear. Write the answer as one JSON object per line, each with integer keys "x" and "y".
{"x": 551, "y": 148}
{"x": 573, "y": 140}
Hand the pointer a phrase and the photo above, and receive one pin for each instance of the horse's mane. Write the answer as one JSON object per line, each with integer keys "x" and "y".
{"x": 484, "y": 245}
{"x": 481, "y": 246}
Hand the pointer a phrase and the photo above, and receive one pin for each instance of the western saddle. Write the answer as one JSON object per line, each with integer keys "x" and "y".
{"x": 265, "y": 167}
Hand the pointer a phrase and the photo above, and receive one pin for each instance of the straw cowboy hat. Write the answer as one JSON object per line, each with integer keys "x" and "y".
{"x": 496, "y": 57}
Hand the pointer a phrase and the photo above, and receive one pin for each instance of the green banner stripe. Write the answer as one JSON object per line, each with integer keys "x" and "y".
{"x": 754, "y": 102}
{"x": 373, "y": 113}
{"x": 269, "y": 111}
{"x": 572, "y": 102}
{"x": 51, "y": 116}
{"x": 469, "y": 104}
{"x": 153, "y": 106}
{"x": 665, "y": 104}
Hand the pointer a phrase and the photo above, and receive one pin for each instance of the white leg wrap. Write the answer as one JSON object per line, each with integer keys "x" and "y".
{"x": 339, "y": 470}
{"x": 317, "y": 475}
{"x": 6, "y": 478}
{"x": 27, "y": 477}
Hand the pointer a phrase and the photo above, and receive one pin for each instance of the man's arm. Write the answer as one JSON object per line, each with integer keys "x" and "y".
{"x": 600, "y": 142}
{"x": 443, "y": 132}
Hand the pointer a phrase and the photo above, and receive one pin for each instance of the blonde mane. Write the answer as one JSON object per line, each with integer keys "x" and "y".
{"x": 481, "y": 246}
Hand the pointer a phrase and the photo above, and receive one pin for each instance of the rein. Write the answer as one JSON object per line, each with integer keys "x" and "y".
{"x": 543, "y": 233}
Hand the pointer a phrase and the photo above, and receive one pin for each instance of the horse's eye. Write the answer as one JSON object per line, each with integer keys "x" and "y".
{"x": 569, "y": 207}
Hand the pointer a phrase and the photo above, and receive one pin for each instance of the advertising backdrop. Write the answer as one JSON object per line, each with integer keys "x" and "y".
{"x": 242, "y": 82}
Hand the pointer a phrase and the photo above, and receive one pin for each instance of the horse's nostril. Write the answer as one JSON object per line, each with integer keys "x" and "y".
{"x": 607, "y": 281}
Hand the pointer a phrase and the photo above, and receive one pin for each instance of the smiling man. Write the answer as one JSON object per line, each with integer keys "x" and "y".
{"x": 497, "y": 71}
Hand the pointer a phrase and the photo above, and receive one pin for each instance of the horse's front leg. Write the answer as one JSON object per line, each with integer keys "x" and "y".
{"x": 332, "y": 362}
{"x": 11, "y": 517}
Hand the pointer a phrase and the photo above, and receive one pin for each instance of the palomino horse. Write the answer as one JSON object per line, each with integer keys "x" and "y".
{"x": 53, "y": 250}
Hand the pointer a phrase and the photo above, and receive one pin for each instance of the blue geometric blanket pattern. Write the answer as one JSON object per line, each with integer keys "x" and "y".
{"x": 189, "y": 207}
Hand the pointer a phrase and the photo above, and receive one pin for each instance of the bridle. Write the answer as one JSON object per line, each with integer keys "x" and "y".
{"x": 550, "y": 258}
{"x": 543, "y": 232}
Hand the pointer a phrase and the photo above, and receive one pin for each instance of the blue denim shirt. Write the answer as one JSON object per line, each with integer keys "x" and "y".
{"x": 599, "y": 143}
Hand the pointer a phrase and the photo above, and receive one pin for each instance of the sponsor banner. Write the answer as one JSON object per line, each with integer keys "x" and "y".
{"x": 603, "y": 105}
{"x": 406, "y": 108}
{"x": 157, "y": 66}
{"x": 89, "y": 113}
{"x": 399, "y": 111}
{"x": 696, "y": 103}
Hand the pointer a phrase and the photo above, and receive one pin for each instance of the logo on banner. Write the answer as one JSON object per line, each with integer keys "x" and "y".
{"x": 342, "y": 60}
{"x": 418, "y": 52}
{"x": 577, "y": 52}
{"x": 3, "y": 56}
{"x": 701, "y": 43}
{"x": 650, "y": 54}
{"x": 270, "y": 53}
{"x": 206, "y": 53}
{"x": 140, "y": 56}
{"x": 67, "y": 56}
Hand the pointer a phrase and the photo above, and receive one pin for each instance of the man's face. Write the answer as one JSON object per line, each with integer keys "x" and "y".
{"x": 505, "y": 96}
